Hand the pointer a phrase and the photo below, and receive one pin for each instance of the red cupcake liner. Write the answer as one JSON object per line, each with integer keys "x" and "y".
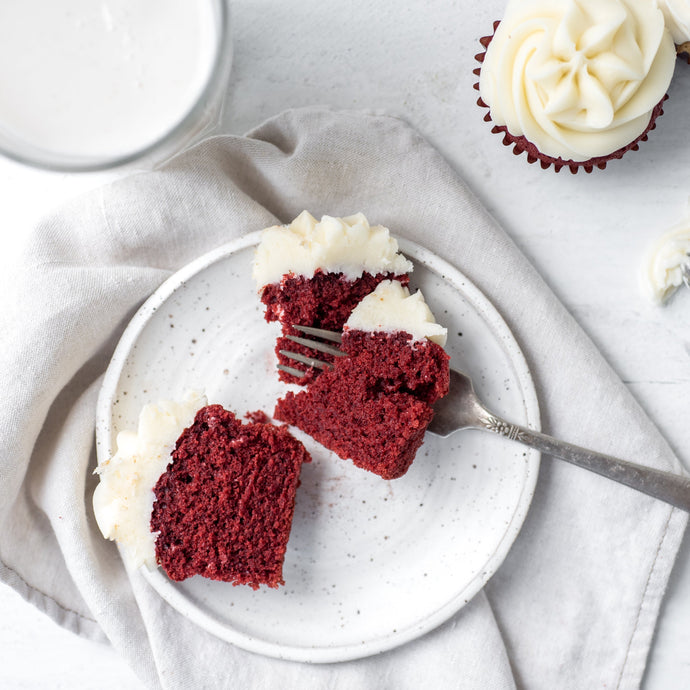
{"x": 521, "y": 144}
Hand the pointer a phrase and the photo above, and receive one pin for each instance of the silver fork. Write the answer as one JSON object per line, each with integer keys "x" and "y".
{"x": 462, "y": 409}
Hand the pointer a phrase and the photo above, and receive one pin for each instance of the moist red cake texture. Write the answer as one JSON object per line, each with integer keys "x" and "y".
{"x": 324, "y": 300}
{"x": 374, "y": 406}
{"x": 224, "y": 506}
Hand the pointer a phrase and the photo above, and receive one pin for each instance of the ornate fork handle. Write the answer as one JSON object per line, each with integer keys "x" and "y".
{"x": 666, "y": 486}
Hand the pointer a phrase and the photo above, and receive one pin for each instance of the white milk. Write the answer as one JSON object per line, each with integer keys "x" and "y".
{"x": 101, "y": 78}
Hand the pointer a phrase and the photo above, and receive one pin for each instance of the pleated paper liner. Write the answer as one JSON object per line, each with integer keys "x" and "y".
{"x": 521, "y": 144}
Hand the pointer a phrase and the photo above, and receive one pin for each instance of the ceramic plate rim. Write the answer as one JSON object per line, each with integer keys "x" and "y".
{"x": 329, "y": 654}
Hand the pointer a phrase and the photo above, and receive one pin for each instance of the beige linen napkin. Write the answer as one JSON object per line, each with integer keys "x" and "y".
{"x": 575, "y": 603}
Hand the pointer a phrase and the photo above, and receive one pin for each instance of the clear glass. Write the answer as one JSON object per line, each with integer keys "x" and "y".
{"x": 201, "y": 117}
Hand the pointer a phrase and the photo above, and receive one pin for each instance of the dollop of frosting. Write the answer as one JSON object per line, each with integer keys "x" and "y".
{"x": 123, "y": 499}
{"x": 391, "y": 308}
{"x": 662, "y": 273}
{"x": 677, "y": 17}
{"x": 349, "y": 245}
{"x": 578, "y": 78}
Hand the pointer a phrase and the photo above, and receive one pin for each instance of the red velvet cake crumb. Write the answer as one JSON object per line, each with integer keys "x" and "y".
{"x": 376, "y": 404}
{"x": 224, "y": 506}
{"x": 258, "y": 417}
{"x": 325, "y": 300}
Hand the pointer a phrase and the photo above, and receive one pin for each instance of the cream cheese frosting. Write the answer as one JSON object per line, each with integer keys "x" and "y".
{"x": 391, "y": 308}
{"x": 578, "y": 78}
{"x": 123, "y": 499}
{"x": 677, "y": 17}
{"x": 661, "y": 271}
{"x": 347, "y": 245}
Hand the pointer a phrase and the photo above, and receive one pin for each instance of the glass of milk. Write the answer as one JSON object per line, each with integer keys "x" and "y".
{"x": 95, "y": 84}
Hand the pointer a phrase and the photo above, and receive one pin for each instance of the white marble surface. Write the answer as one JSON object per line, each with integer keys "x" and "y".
{"x": 586, "y": 234}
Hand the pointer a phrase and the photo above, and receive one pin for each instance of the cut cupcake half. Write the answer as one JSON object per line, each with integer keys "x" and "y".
{"x": 198, "y": 492}
{"x": 375, "y": 405}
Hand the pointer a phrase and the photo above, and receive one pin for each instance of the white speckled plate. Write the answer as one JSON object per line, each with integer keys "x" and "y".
{"x": 370, "y": 564}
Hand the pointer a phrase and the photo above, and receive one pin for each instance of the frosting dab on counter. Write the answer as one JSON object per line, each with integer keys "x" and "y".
{"x": 662, "y": 272}
{"x": 348, "y": 245}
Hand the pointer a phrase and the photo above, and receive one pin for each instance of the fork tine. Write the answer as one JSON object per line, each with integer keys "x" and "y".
{"x": 332, "y": 350}
{"x": 291, "y": 370}
{"x": 333, "y": 336}
{"x": 309, "y": 361}
{"x": 316, "y": 345}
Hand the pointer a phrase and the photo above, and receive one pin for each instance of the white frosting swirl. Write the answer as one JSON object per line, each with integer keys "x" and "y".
{"x": 677, "y": 16}
{"x": 347, "y": 245}
{"x": 578, "y": 78}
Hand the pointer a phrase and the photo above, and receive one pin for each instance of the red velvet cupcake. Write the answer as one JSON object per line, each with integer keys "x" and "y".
{"x": 575, "y": 84}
